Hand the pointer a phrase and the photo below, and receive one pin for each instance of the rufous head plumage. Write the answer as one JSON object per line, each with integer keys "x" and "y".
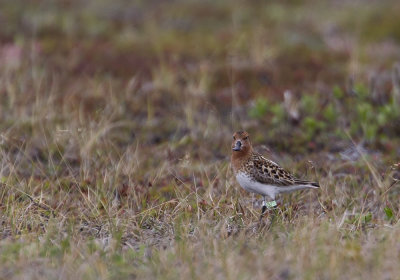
{"x": 241, "y": 147}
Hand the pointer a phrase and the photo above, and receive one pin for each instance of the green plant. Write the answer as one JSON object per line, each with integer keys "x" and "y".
{"x": 338, "y": 92}
{"x": 330, "y": 113}
{"x": 260, "y": 108}
{"x": 389, "y": 213}
{"x": 278, "y": 114}
{"x": 311, "y": 126}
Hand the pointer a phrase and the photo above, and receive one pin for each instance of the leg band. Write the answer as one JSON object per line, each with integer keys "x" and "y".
{"x": 271, "y": 204}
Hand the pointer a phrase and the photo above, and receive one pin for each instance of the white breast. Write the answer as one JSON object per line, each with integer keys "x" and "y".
{"x": 252, "y": 186}
{"x": 266, "y": 190}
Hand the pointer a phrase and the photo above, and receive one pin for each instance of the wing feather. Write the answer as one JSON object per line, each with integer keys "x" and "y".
{"x": 268, "y": 172}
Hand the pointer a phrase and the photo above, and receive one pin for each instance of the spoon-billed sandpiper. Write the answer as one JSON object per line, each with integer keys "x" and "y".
{"x": 260, "y": 175}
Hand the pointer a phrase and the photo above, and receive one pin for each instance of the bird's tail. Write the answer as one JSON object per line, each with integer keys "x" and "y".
{"x": 314, "y": 185}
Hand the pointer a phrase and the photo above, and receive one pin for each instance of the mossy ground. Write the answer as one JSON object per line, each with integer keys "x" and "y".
{"x": 116, "y": 122}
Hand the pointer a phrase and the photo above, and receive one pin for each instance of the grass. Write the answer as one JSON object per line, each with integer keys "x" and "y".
{"x": 116, "y": 122}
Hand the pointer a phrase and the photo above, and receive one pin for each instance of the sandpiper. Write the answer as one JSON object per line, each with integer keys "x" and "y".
{"x": 260, "y": 175}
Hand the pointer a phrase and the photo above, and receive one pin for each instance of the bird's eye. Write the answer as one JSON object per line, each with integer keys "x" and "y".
{"x": 234, "y": 138}
{"x": 245, "y": 138}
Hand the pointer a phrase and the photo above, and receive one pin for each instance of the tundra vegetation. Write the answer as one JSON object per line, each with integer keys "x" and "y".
{"x": 115, "y": 127}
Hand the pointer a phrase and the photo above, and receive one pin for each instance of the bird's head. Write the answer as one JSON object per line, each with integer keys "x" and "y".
{"x": 241, "y": 142}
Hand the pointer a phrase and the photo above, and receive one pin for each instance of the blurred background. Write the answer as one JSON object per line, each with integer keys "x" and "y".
{"x": 200, "y": 68}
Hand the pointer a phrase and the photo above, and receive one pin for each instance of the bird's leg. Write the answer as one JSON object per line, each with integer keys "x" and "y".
{"x": 273, "y": 206}
{"x": 268, "y": 205}
{"x": 264, "y": 206}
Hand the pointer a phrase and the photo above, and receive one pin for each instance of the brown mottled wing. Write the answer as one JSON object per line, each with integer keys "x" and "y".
{"x": 268, "y": 172}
